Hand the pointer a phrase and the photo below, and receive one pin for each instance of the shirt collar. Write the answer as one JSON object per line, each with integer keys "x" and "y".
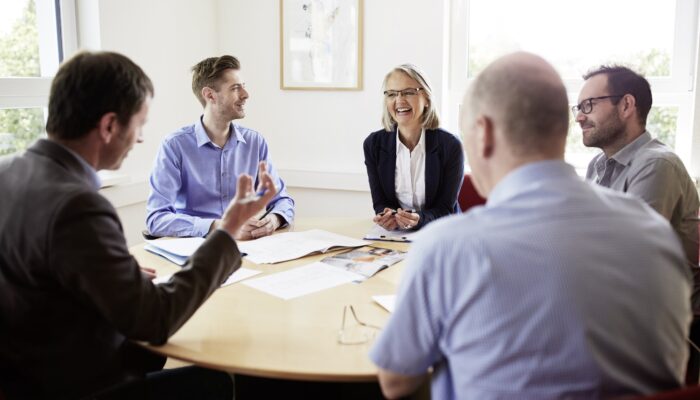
{"x": 202, "y": 138}
{"x": 625, "y": 155}
{"x": 92, "y": 176}
{"x": 419, "y": 146}
{"x": 532, "y": 174}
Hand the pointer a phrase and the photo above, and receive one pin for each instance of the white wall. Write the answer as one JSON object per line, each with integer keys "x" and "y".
{"x": 315, "y": 136}
{"x": 320, "y": 130}
{"x": 165, "y": 37}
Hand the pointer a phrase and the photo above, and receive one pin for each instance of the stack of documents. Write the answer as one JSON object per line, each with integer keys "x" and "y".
{"x": 176, "y": 250}
{"x": 379, "y": 233}
{"x": 292, "y": 245}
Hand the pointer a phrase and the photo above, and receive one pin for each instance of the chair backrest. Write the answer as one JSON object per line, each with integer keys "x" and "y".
{"x": 468, "y": 196}
{"x": 684, "y": 393}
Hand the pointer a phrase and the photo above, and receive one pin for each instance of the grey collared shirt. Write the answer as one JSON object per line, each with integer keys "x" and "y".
{"x": 649, "y": 169}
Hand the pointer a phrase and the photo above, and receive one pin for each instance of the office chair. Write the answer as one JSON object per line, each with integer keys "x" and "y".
{"x": 468, "y": 196}
{"x": 684, "y": 393}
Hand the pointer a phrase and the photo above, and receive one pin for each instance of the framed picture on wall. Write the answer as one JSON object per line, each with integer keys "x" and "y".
{"x": 321, "y": 44}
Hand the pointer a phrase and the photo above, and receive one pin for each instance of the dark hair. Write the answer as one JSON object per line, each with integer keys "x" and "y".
{"x": 622, "y": 80}
{"x": 208, "y": 72}
{"x": 91, "y": 84}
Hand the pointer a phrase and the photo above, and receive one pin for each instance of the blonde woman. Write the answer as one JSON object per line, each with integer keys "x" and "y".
{"x": 415, "y": 169}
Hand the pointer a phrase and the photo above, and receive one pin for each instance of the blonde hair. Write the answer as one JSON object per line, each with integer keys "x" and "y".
{"x": 430, "y": 118}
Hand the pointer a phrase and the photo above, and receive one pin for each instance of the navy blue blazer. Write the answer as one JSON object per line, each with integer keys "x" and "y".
{"x": 444, "y": 172}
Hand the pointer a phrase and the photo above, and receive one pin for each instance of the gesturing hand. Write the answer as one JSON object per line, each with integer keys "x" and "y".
{"x": 238, "y": 212}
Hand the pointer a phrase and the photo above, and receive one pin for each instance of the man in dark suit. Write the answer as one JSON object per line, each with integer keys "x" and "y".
{"x": 72, "y": 296}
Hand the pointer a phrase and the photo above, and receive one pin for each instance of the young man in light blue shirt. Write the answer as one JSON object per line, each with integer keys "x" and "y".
{"x": 543, "y": 292}
{"x": 195, "y": 171}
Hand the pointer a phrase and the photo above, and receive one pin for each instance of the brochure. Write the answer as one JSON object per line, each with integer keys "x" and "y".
{"x": 365, "y": 261}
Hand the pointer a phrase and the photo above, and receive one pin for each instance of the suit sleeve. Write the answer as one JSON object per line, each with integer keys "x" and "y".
{"x": 371, "y": 150}
{"x": 88, "y": 253}
{"x": 451, "y": 177}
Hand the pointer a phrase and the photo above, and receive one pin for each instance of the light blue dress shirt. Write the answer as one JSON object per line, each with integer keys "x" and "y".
{"x": 554, "y": 289}
{"x": 194, "y": 180}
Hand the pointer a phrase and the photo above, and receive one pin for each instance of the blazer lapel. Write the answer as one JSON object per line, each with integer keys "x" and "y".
{"x": 387, "y": 166}
{"x": 432, "y": 167}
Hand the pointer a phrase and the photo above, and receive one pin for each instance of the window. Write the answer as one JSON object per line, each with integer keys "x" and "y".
{"x": 657, "y": 38}
{"x": 33, "y": 40}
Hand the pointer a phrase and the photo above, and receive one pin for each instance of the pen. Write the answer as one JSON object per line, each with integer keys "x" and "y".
{"x": 384, "y": 212}
{"x": 265, "y": 214}
{"x": 393, "y": 238}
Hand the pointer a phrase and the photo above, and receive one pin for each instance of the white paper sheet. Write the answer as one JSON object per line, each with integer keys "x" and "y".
{"x": 292, "y": 245}
{"x": 302, "y": 280}
{"x": 379, "y": 233}
{"x": 239, "y": 275}
{"x": 388, "y": 301}
{"x": 176, "y": 250}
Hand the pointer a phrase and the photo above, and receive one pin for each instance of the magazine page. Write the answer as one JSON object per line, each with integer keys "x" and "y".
{"x": 365, "y": 261}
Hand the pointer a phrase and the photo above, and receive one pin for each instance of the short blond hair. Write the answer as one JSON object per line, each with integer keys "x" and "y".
{"x": 430, "y": 118}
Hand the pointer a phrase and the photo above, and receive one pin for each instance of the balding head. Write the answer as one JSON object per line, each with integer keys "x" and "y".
{"x": 515, "y": 112}
{"x": 526, "y": 98}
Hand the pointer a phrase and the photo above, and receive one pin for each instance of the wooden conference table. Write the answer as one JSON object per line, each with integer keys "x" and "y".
{"x": 242, "y": 330}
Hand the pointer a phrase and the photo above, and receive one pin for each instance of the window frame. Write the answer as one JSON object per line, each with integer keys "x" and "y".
{"x": 679, "y": 90}
{"x": 33, "y": 92}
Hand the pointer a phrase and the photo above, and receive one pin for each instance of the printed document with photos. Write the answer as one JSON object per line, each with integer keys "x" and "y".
{"x": 365, "y": 261}
{"x": 351, "y": 266}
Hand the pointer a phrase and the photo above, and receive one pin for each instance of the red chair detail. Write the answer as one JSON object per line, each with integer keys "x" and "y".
{"x": 468, "y": 196}
{"x": 684, "y": 393}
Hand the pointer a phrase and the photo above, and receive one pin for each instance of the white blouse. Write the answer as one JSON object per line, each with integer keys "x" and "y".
{"x": 409, "y": 175}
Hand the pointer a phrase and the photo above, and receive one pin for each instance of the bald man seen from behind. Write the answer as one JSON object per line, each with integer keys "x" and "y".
{"x": 542, "y": 292}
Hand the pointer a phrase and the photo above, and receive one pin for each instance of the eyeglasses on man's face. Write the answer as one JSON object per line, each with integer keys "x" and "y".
{"x": 586, "y": 106}
{"x": 410, "y": 92}
{"x": 358, "y": 334}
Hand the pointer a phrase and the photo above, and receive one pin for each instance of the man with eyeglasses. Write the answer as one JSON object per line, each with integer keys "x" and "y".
{"x": 531, "y": 296}
{"x": 195, "y": 171}
{"x": 612, "y": 112}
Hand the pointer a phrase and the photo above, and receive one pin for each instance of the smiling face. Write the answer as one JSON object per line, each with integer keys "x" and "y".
{"x": 228, "y": 102}
{"x": 407, "y": 111}
{"x": 602, "y": 127}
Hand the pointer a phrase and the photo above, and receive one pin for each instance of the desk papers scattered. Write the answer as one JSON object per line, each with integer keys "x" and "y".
{"x": 239, "y": 275}
{"x": 292, "y": 245}
{"x": 365, "y": 261}
{"x": 302, "y": 280}
{"x": 379, "y": 233}
{"x": 387, "y": 301}
{"x": 351, "y": 266}
{"x": 176, "y": 250}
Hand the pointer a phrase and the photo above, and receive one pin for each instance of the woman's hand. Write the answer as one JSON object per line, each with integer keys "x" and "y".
{"x": 386, "y": 219}
{"x": 407, "y": 219}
